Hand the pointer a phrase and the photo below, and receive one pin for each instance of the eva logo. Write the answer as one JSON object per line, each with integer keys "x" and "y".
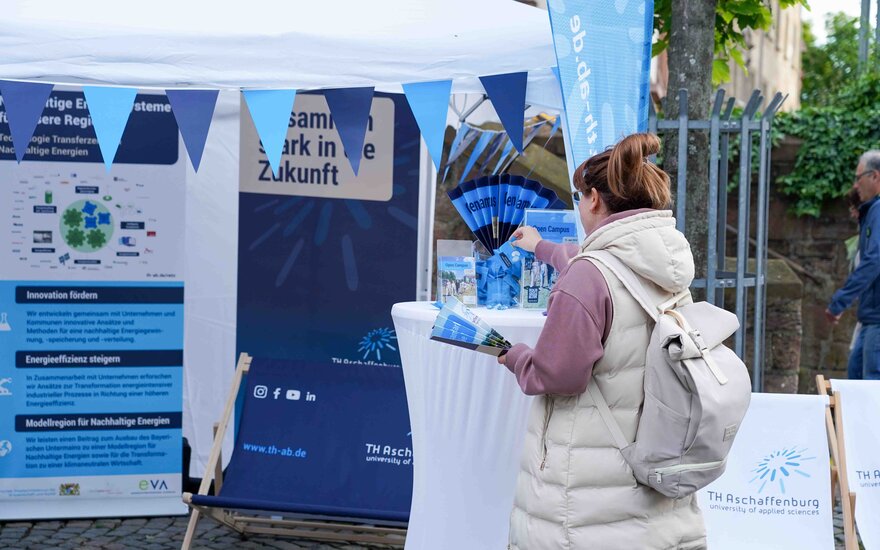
{"x": 154, "y": 484}
{"x": 782, "y": 467}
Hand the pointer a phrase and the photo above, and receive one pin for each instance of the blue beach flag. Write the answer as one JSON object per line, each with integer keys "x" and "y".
{"x": 603, "y": 53}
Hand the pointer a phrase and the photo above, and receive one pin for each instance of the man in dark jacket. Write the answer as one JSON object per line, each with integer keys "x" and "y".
{"x": 864, "y": 281}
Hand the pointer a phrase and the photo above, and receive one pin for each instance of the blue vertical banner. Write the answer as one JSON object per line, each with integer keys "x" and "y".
{"x": 323, "y": 255}
{"x": 91, "y": 316}
{"x": 603, "y": 49}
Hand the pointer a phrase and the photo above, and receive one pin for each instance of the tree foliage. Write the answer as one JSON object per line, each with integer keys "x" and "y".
{"x": 732, "y": 17}
{"x": 827, "y": 68}
{"x": 839, "y": 119}
{"x": 834, "y": 136}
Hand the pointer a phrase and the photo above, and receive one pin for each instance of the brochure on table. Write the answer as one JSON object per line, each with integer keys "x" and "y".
{"x": 557, "y": 226}
{"x": 456, "y": 272}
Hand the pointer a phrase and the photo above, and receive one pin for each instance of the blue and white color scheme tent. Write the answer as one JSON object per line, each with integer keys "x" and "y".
{"x": 98, "y": 43}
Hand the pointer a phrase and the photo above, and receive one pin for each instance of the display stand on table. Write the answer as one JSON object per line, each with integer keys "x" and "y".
{"x": 468, "y": 418}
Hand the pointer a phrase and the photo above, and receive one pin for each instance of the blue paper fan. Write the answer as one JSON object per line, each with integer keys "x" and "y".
{"x": 494, "y": 206}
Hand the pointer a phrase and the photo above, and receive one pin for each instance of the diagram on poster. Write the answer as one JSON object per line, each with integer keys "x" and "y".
{"x": 88, "y": 223}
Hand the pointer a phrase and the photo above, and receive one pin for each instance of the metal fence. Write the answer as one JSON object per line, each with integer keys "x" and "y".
{"x": 732, "y": 139}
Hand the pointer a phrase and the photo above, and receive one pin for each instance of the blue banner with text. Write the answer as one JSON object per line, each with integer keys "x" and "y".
{"x": 603, "y": 50}
{"x": 95, "y": 384}
{"x": 320, "y": 265}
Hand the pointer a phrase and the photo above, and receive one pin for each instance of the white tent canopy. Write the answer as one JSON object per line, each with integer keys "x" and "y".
{"x": 278, "y": 44}
{"x": 262, "y": 44}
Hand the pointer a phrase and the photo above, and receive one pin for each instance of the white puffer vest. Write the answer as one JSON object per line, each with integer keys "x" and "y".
{"x": 574, "y": 490}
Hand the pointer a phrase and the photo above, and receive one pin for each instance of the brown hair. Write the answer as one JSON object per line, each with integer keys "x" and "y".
{"x": 623, "y": 176}
{"x": 853, "y": 199}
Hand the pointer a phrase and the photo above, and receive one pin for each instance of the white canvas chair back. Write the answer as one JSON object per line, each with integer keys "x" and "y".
{"x": 859, "y": 403}
{"x": 775, "y": 492}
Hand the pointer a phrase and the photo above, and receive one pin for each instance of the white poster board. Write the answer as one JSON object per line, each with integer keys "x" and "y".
{"x": 860, "y": 407}
{"x": 776, "y": 491}
{"x": 91, "y": 317}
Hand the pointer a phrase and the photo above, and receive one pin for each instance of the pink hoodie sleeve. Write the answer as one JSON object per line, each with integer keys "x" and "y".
{"x": 579, "y": 313}
{"x": 556, "y": 255}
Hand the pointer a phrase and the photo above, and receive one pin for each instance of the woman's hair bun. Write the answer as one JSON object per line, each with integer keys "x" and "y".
{"x": 632, "y": 177}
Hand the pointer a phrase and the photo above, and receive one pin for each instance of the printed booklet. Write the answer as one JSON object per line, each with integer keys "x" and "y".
{"x": 457, "y": 278}
{"x": 557, "y": 226}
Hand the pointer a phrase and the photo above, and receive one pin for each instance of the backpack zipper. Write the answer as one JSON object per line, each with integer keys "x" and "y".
{"x": 547, "y": 414}
{"x": 660, "y": 472}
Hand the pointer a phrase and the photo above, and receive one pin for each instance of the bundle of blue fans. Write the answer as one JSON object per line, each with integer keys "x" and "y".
{"x": 493, "y": 207}
{"x": 457, "y": 325}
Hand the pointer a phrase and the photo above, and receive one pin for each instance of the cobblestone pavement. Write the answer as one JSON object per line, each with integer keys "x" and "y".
{"x": 164, "y": 533}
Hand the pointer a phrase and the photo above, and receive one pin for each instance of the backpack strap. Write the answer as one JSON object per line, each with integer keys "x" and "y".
{"x": 634, "y": 286}
{"x": 649, "y": 301}
{"x": 610, "y": 422}
{"x": 627, "y": 277}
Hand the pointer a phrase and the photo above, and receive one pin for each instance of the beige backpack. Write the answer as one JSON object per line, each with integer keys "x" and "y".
{"x": 697, "y": 390}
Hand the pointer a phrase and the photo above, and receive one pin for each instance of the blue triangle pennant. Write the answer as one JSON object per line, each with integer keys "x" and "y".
{"x": 459, "y": 134}
{"x": 494, "y": 146}
{"x": 193, "y": 110}
{"x": 270, "y": 111}
{"x": 508, "y": 95}
{"x": 504, "y": 152}
{"x": 533, "y": 131}
{"x": 475, "y": 154}
{"x": 457, "y": 149}
{"x": 109, "y": 109}
{"x": 350, "y": 109}
{"x": 429, "y": 102}
{"x": 24, "y": 103}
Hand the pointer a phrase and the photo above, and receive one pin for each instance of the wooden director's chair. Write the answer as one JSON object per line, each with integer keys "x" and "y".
{"x": 839, "y": 481}
{"x": 247, "y": 518}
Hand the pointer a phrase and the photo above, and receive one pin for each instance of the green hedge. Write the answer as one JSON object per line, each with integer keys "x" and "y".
{"x": 833, "y": 139}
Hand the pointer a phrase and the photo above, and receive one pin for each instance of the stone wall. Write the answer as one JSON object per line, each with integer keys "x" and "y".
{"x": 783, "y": 325}
{"x": 816, "y": 247}
{"x": 817, "y": 244}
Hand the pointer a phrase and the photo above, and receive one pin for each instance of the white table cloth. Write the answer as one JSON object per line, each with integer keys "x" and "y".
{"x": 468, "y": 419}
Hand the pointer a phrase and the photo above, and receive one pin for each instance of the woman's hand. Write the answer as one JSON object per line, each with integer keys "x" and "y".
{"x": 502, "y": 359}
{"x": 527, "y": 238}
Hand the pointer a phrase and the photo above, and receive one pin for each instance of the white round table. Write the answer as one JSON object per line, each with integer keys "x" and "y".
{"x": 468, "y": 418}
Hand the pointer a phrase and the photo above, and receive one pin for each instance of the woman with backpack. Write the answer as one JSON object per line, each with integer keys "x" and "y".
{"x": 575, "y": 489}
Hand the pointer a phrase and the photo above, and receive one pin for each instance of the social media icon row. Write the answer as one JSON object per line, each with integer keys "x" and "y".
{"x": 262, "y": 392}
